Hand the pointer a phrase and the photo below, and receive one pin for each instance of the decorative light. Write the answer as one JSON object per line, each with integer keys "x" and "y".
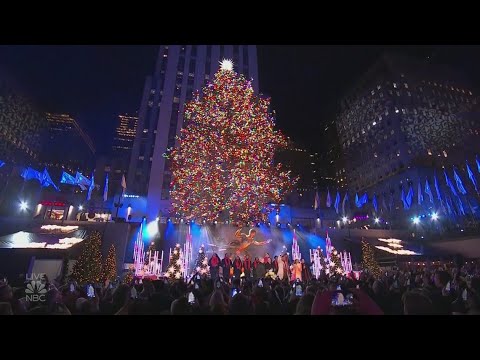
{"x": 344, "y": 219}
{"x": 396, "y": 252}
{"x": 58, "y": 228}
{"x": 157, "y": 218}
{"x": 416, "y": 220}
{"x": 434, "y": 216}
{"x": 226, "y": 64}
{"x": 377, "y": 220}
{"x": 80, "y": 207}
{"x": 23, "y": 205}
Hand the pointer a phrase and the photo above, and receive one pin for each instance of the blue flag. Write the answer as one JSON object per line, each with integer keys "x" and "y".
{"x": 460, "y": 206}
{"x": 471, "y": 176}
{"x": 91, "y": 187}
{"x": 31, "y": 174}
{"x": 428, "y": 191}
{"x": 404, "y": 201}
{"x": 374, "y": 202}
{"x": 409, "y": 198}
{"x": 459, "y": 182}
{"x": 384, "y": 201}
{"x": 357, "y": 202}
{"x": 67, "y": 179}
{"x": 82, "y": 181}
{"x": 329, "y": 199}
{"x": 478, "y": 163}
{"x": 448, "y": 200}
{"x": 345, "y": 200}
{"x": 437, "y": 188}
{"x": 2, "y": 163}
{"x": 449, "y": 184}
{"x": 47, "y": 180}
{"x": 337, "y": 202}
{"x": 420, "y": 193}
{"x": 364, "y": 199}
{"x": 105, "y": 189}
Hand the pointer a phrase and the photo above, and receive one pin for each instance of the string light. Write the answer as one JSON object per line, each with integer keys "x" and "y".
{"x": 224, "y": 162}
{"x": 88, "y": 268}
{"x": 368, "y": 259}
{"x": 110, "y": 266}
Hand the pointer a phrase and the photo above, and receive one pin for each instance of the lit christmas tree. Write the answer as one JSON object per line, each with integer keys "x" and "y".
{"x": 323, "y": 261}
{"x": 335, "y": 265}
{"x": 223, "y": 168}
{"x": 175, "y": 267}
{"x": 110, "y": 265}
{"x": 88, "y": 268}
{"x": 201, "y": 265}
{"x": 368, "y": 259}
{"x": 128, "y": 278}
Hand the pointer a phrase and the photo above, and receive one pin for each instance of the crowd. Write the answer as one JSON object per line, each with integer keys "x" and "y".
{"x": 425, "y": 291}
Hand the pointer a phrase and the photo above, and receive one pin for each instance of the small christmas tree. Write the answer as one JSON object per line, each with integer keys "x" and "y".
{"x": 323, "y": 261}
{"x": 368, "y": 259}
{"x": 150, "y": 252}
{"x": 110, "y": 265}
{"x": 335, "y": 266}
{"x": 175, "y": 268}
{"x": 201, "y": 265}
{"x": 128, "y": 278}
{"x": 88, "y": 268}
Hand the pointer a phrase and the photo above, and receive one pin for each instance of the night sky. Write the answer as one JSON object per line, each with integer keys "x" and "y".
{"x": 96, "y": 83}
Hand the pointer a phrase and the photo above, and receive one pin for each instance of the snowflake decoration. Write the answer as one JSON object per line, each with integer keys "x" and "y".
{"x": 332, "y": 264}
{"x": 175, "y": 252}
{"x": 339, "y": 271}
{"x": 178, "y": 275}
{"x": 335, "y": 252}
{"x": 178, "y": 262}
{"x": 204, "y": 262}
{"x": 171, "y": 269}
{"x": 226, "y": 64}
{"x": 203, "y": 271}
{"x": 198, "y": 268}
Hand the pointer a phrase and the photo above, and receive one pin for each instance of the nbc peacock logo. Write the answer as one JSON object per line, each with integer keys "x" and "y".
{"x": 35, "y": 291}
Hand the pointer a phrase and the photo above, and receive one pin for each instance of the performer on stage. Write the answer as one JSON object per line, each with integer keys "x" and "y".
{"x": 296, "y": 270}
{"x": 256, "y": 261}
{"x": 280, "y": 268}
{"x": 237, "y": 267}
{"x": 275, "y": 264}
{"x": 226, "y": 265}
{"x": 247, "y": 267}
{"x": 268, "y": 264}
{"x": 214, "y": 264}
{"x": 286, "y": 266}
{"x": 261, "y": 269}
{"x": 306, "y": 274}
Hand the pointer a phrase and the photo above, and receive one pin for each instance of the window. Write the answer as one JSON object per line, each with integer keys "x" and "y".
{"x": 152, "y": 91}
{"x": 176, "y": 99}
{"x": 406, "y": 86}
{"x": 395, "y": 85}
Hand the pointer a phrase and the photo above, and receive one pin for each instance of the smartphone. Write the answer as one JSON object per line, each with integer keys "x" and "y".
{"x": 196, "y": 286}
{"x": 447, "y": 288}
{"x": 298, "y": 290}
{"x": 464, "y": 295}
{"x": 339, "y": 287}
{"x": 219, "y": 284}
{"x": 260, "y": 283}
{"x": 191, "y": 298}
{"x": 198, "y": 277}
{"x": 358, "y": 286}
{"x": 90, "y": 291}
{"x": 110, "y": 286}
{"x": 72, "y": 288}
{"x": 234, "y": 292}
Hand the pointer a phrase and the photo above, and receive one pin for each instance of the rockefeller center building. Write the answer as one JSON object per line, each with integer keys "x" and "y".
{"x": 179, "y": 71}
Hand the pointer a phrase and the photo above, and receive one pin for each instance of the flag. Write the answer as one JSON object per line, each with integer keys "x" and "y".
{"x": 105, "y": 189}
{"x": 47, "y": 180}
{"x": 316, "y": 201}
{"x": 472, "y": 177}
{"x": 449, "y": 207}
{"x": 91, "y": 187}
{"x": 357, "y": 201}
{"x": 82, "y": 181}
{"x": 374, "y": 202}
{"x": 123, "y": 184}
{"x": 449, "y": 183}
{"x": 2, "y": 163}
{"x": 460, "y": 206}
{"x": 392, "y": 201}
{"x": 67, "y": 179}
{"x": 478, "y": 163}
{"x": 345, "y": 199}
{"x": 437, "y": 188}
{"x": 459, "y": 182}
{"x": 420, "y": 194}
{"x": 409, "y": 198}
{"x": 329, "y": 199}
{"x": 364, "y": 199}
{"x": 402, "y": 197}
{"x": 384, "y": 201}
{"x": 337, "y": 202}
{"x": 428, "y": 191}
{"x": 31, "y": 174}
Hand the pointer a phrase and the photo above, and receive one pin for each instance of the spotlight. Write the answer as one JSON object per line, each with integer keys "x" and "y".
{"x": 226, "y": 222}
{"x": 288, "y": 224}
{"x": 298, "y": 225}
{"x": 268, "y": 224}
{"x": 215, "y": 222}
{"x": 169, "y": 220}
{"x": 318, "y": 219}
{"x": 278, "y": 224}
{"x": 258, "y": 224}
{"x": 416, "y": 220}
{"x": 377, "y": 220}
{"x": 344, "y": 219}
{"x": 204, "y": 221}
{"x": 434, "y": 216}
{"x": 23, "y": 205}
{"x": 181, "y": 220}
{"x": 80, "y": 207}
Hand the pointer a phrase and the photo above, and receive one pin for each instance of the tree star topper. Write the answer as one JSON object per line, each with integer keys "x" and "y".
{"x": 226, "y": 64}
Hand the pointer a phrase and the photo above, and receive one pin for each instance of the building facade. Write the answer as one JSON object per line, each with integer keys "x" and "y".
{"x": 403, "y": 122}
{"x": 179, "y": 71}
{"x": 66, "y": 145}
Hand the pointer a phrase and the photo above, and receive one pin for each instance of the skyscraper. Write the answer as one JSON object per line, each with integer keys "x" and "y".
{"x": 66, "y": 145}
{"x": 179, "y": 71}
{"x": 123, "y": 139}
{"x": 403, "y": 119}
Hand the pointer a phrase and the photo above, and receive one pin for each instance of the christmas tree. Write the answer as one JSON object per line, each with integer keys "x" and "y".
{"x": 201, "y": 265}
{"x": 128, "y": 278}
{"x": 110, "y": 265}
{"x": 335, "y": 266}
{"x": 223, "y": 168}
{"x": 368, "y": 259}
{"x": 175, "y": 267}
{"x": 151, "y": 251}
{"x": 88, "y": 268}
{"x": 323, "y": 261}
